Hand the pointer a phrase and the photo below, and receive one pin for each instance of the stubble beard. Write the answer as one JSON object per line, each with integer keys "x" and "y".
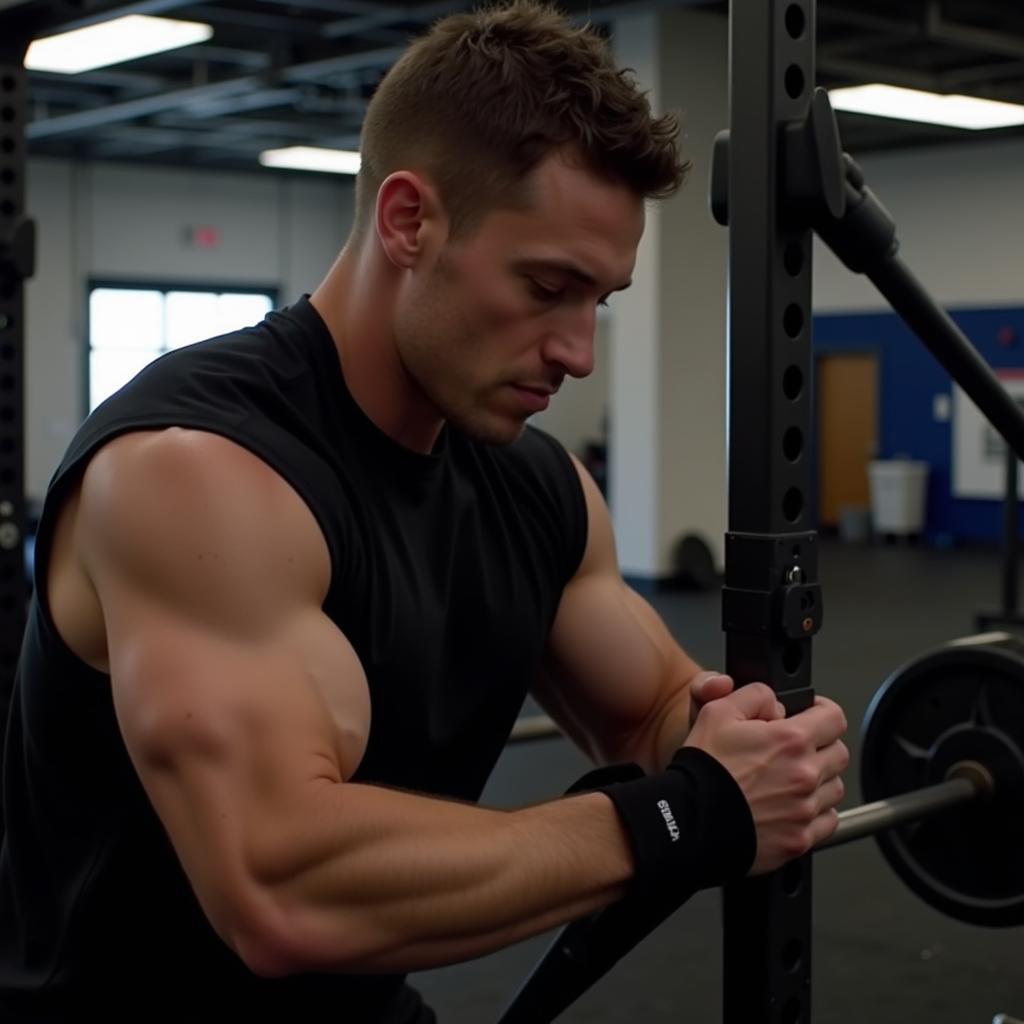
{"x": 467, "y": 411}
{"x": 463, "y": 409}
{"x": 484, "y": 427}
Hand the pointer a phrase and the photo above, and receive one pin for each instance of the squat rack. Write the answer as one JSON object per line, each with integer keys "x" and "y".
{"x": 778, "y": 176}
{"x": 17, "y": 257}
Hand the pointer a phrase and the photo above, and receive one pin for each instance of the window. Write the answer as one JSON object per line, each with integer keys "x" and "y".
{"x": 130, "y": 326}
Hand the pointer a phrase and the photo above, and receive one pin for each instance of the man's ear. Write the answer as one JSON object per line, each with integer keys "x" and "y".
{"x": 410, "y": 217}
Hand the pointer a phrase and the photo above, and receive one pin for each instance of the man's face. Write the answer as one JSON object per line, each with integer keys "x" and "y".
{"x": 494, "y": 325}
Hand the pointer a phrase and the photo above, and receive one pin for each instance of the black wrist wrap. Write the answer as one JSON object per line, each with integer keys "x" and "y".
{"x": 690, "y": 826}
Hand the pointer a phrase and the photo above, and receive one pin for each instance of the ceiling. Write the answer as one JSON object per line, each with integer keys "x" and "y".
{"x": 300, "y": 72}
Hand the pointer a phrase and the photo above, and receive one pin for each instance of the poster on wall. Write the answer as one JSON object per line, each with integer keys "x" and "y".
{"x": 979, "y": 453}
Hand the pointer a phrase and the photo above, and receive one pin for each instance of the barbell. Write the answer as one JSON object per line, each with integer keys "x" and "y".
{"x": 942, "y": 769}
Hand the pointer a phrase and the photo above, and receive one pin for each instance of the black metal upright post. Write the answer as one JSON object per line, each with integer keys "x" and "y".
{"x": 1011, "y": 532}
{"x": 17, "y": 256}
{"x": 771, "y": 602}
{"x": 1007, "y": 614}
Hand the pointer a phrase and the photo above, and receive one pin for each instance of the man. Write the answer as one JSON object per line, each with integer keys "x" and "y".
{"x": 294, "y": 583}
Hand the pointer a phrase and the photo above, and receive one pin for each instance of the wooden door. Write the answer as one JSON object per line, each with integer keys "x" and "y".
{"x": 847, "y": 431}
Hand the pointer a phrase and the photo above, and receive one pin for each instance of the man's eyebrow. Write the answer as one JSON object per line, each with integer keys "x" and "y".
{"x": 571, "y": 270}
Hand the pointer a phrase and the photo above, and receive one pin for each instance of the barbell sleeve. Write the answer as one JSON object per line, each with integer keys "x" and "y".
{"x": 869, "y": 819}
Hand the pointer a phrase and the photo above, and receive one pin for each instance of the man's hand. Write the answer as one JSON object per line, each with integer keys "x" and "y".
{"x": 707, "y": 686}
{"x": 788, "y": 769}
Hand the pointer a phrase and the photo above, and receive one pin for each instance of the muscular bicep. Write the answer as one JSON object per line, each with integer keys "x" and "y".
{"x": 611, "y": 666}
{"x": 235, "y": 695}
{"x": 610, "y": 669}
{"x": 229, "y": 740}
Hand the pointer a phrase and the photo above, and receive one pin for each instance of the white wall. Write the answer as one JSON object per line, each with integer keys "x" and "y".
{"x": 959, "y": 213}
{"x": 130, "y": 223}
{"x": 635, "y": 343}
{"x": 694, "y": 259}
{"x": 54, "y": 353}
{"x": 667, "y": 456}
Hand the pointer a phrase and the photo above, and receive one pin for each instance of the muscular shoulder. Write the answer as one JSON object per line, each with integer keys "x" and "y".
{"x": 169, "y": 458}
{"x": 193, "y": 510}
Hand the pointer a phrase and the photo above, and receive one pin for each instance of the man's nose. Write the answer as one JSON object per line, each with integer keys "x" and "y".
{"x": 572, "y": 344}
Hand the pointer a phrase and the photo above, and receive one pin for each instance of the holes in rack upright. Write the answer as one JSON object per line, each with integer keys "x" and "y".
{"x": 793, "y": 320}
{"x": 792, "y": 877}
{"x": 792, "y": 955}
{"x": 794, "y": 81}
{"x": 796, "y": 21}
{"x": 793, "y": 444}
{"x": 793, "y": 382}
{"x": 792, "y": 1012}
{"x": 793, "y": 505}
{"x": 793, "y": 258}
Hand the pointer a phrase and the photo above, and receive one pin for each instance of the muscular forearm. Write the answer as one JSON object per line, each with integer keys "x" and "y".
{"x": 652, "y": 743}
{"x": 381, "y": 880}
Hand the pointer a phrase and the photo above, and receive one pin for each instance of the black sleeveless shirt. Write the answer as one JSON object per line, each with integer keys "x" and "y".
{"x": 447, "y": 570}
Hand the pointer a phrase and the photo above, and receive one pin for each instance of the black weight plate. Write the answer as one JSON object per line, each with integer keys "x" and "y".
{"x": 964, "y": 701}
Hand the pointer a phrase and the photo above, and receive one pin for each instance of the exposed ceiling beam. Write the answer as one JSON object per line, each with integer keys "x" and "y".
{"x": 873, "y": 23}
{"x": 382, "y": 15}
{"x": 283, "y": 25}
{"x": 345, "y": 7}
{"x": 258, "y": 99}
{"x": 864, "y": 71}
{"x": 969, "y": 37}
{"x": 257, "y": 96}
{"x": 986, "y": 73}
{"x": 931, "y": 27}
{"x": 104, "y": 78}
{"x": 342, "y": 64}
{"x": 144, "y": 139}
{"x": 273, "y": 130}
{"x": 131, "y": 110}
{"x": 939, "y": 81}
{"x": 251, "y": 59}
{"x": 40, "y": 18}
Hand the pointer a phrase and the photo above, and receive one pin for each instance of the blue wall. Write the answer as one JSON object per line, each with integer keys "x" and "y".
{"x": 908, "y": 380}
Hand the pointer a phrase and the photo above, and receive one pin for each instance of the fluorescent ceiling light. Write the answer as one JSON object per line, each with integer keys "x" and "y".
{"x": 112, "y": 42}
{"x": 928, "y": 107}
{"x": 310, "y": 158}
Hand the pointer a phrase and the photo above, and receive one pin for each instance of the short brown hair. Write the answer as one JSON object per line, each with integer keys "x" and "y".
{"x": 483, "y": 97}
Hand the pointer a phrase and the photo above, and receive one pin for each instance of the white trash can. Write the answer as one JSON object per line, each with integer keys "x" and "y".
{"x": 898, "y": 491}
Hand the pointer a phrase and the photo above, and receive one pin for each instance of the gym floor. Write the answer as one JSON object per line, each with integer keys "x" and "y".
{"x": 880, "y": 954}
